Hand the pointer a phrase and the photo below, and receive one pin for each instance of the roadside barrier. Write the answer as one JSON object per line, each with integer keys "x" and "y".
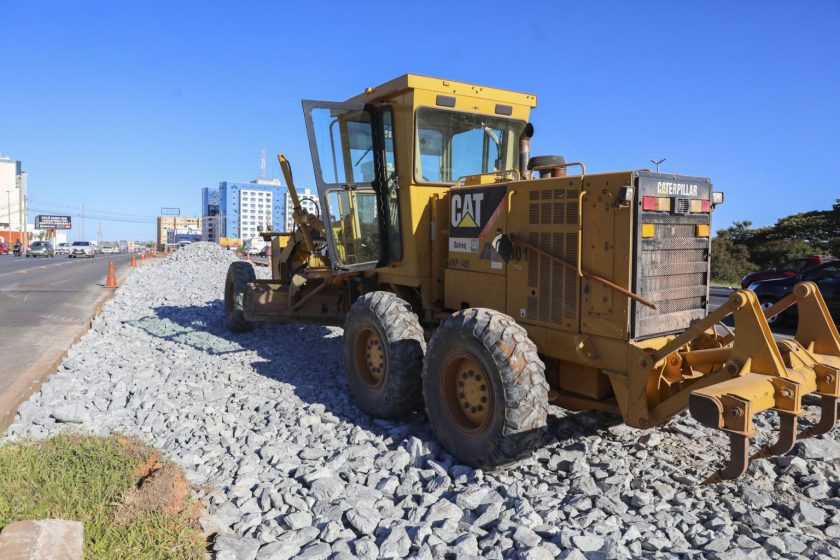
{"x": 133, "y": 260}
{"x": 111, "y": 281}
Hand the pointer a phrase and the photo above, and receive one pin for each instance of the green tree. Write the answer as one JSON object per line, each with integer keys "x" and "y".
{"x": 777, "y": 251}
{"x": 730, "y": 259}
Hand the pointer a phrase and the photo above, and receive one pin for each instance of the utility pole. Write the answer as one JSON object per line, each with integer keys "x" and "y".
{"x": 657, "y": 163}
{"x": 83, "y": 223}
{"x": 25, "y": 226}
{"x": 100, "y": 233}
{"x": 9, "y": 208}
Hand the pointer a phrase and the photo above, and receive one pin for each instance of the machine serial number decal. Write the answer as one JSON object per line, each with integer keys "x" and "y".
{"x": 459, "y": 263}
{"x": 671, "y": 188}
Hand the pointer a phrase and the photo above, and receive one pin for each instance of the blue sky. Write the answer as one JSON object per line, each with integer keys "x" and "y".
{"x": 130, "y": 107}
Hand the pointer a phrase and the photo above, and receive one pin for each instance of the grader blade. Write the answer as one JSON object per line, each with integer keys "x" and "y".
{"x": 770, "y": 375}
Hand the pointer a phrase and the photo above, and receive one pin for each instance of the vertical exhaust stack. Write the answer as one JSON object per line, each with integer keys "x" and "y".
{"x": 525, "y": 150}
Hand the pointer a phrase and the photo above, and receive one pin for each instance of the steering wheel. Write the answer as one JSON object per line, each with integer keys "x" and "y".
{"x": 314, "y": 201}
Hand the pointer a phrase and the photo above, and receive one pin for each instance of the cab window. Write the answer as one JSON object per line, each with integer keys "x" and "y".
{"x": 345, "y": 145}
{"x": 793, "y": 266}
{"x": 391, "y": 186}
{"x": 450, "y": 144}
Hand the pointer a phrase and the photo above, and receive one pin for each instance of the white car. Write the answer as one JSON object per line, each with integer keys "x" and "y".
{"x": 82, "y": 249}
{"x": 62, "y": 249}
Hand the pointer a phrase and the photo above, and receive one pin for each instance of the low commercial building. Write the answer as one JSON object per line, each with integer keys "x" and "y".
{"x": 171, "y": 227}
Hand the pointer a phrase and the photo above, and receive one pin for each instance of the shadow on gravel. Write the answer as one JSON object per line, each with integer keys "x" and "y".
{"x": 307, "y": 357}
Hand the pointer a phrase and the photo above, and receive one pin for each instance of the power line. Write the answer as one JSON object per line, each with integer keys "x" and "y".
{"x": 95, "y": 216}
{"x": 90, "y": 210}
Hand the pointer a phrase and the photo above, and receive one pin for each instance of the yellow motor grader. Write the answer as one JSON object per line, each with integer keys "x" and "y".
{"x": 484, "y": 284}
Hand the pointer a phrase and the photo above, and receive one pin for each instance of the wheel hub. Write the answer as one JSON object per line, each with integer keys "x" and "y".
{"x": 370, "y": 357}
{"x": 469, "y": 396}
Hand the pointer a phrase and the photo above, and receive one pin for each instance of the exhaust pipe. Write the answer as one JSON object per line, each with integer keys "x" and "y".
{"x": 525, "y": 150}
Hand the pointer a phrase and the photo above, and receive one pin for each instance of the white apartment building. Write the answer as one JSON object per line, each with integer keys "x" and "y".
{"x": 13, "y": 186}
{"x": 307, "y": 202}
{"x": 256, "y": 212}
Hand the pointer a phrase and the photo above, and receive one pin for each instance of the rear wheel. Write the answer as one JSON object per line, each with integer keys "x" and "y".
{"x": 485, "y": 388}
{"x": 238, "y": 276}
{"x": 383, "y": 355}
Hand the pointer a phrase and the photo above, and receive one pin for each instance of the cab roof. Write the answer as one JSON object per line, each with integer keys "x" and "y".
{"x": 449, "y": 87}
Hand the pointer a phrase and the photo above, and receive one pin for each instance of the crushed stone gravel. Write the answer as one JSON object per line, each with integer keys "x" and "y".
{"x": 292, "y": 468}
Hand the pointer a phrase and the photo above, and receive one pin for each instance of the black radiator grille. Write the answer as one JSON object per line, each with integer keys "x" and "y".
{"x": 554, "y": 285}
{"x": 672, "y": 273}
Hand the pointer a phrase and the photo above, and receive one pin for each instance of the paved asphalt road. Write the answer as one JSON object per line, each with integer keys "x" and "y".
{"x": 718, "y": 296}
{"x": 45, "y": 304}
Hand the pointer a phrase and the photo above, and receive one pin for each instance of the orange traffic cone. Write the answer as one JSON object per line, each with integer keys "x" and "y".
{"x": 111, "y": 281}
{"x": 133, "y": 260}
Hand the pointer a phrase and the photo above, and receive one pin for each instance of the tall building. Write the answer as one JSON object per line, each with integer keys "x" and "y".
{"x": 13, "y": 192}
{"x": 243, "y": 210}
{"x": 211, "y": 218}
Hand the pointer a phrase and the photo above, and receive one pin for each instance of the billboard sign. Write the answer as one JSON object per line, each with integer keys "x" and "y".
{"x": 52, "y": 222}
{"x": 230, "y": 242}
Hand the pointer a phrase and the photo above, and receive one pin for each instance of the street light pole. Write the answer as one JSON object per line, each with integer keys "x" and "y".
{"x": 657, "y": 163}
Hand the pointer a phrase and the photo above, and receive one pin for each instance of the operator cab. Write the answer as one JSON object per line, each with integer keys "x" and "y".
{"x": 370, "y": 152}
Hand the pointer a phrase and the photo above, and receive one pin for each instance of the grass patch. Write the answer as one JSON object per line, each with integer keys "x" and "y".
{"x": 99, "y": 481}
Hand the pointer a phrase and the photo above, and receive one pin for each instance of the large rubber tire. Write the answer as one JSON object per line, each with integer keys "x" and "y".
{"x": 383, "y": 355}
{"x": 239, "y": 274}
{"x": 500, "y": 415}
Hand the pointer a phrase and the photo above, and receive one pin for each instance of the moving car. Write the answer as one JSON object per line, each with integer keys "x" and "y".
{"x": 109, "y": 249}
{"x": 41, "y": 249}
{"x": 826, "y": 276}
{"x": 786, "y": 270}
{"x": 82, "y": 249}
{"x": 62, "y": 249}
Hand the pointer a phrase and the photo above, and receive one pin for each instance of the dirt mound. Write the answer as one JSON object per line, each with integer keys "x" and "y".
{"x": 161, "y": 486}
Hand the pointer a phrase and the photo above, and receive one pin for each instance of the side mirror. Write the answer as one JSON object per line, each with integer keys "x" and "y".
{"x": 717, "y": 198}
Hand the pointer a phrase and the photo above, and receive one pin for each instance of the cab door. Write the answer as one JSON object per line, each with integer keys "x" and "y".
{"x": 341, "y": 140}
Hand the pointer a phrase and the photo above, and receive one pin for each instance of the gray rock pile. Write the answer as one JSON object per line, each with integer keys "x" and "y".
{"x": 296, "y": 470}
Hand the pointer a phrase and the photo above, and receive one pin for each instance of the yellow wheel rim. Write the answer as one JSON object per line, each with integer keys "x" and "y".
{"x": 467, "y": 394}
{"x": 370, "y": 357}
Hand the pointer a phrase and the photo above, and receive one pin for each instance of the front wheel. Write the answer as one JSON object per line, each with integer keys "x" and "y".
{"x": 238, "y": 276}
{"x": 383, "y": 355}
{"x": 485, "y": 388}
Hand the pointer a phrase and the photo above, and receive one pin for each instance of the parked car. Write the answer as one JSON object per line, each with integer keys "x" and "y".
{"x": 82, "y": 249}
{"x": 786, "y": 270}
{"x": 826, "y": 276}
{"x": 4, "y": 248}
{"x": 41, "y": 249}
{"x": 62, "y": 249}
